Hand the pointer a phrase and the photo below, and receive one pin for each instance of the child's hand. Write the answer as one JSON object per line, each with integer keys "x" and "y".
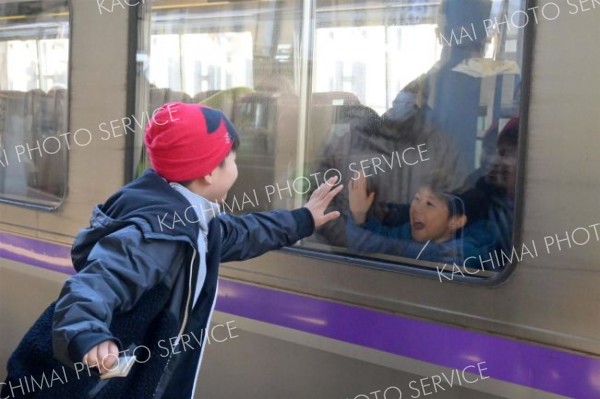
{"x": 359, "y": 200}
{"x": 103, "y": 356}
{"x": 319, "y": 201}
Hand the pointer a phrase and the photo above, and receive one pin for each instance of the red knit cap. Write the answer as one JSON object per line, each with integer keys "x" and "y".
{"x": 188, "y": 141}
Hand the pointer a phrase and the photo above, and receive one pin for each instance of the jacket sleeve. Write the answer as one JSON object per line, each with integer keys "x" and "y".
{"x": 474, "y": 243}
{"x": 364, "y": 240}
{"x": 375, "y": 226}
{"x": 120, "y": 268}
{"x": 481, "y": 240}
{"x": 251, "y": 235}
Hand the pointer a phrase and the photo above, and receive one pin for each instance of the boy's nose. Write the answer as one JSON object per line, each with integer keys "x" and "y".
{"x": 417, "y": 209}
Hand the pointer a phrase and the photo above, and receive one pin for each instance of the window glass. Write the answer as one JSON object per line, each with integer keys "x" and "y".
{"x": 187, "y": 68}
{"x": 34, "y": 64}
{"x": 414, "y": 106}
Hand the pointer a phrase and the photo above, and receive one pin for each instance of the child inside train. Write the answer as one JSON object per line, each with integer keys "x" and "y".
{"x": 437, "y": 228}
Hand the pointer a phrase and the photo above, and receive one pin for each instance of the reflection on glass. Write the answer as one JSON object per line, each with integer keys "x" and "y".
{"x": 454, "y": 98}
{"x": 436, "y": 229}
{"x": 410, "y": 101}
{"x": 243, "y": 59}
{"x": 34, "y": 53}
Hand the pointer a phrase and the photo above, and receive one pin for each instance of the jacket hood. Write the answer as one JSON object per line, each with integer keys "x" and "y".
{"x": 149, "y": 203}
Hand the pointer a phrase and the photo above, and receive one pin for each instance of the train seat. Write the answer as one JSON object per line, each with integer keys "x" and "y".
{"x": 334, "y": 98}
{"x": 160, "y": 96}
{"x": 198, "y": 97}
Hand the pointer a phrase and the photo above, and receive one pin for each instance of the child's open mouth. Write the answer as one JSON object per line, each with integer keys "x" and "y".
{"x": 418, "y": 226}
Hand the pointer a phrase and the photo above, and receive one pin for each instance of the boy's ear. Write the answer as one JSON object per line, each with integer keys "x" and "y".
{"x": 209, "y": 179}
{"x": 458, "y": 222}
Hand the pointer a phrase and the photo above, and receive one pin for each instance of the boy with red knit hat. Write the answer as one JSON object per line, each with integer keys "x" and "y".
{"x": 140, "y": 286}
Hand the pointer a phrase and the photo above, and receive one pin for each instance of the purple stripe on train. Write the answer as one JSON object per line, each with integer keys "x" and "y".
{"x": 510, "y": 360}
{"x": 36, "y": 252}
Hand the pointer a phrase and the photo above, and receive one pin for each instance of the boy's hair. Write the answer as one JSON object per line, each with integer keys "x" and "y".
{"x": 439, "y": 182}
{"x": 455, "y": 203}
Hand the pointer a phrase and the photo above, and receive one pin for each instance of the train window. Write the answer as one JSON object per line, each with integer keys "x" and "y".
{"x": 413, "y": 105}
{"x": 34, "y": 48}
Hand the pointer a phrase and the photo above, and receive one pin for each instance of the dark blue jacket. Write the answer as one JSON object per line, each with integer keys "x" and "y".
{"x": 137, "y": 268}
{"x": 478, "y": 238}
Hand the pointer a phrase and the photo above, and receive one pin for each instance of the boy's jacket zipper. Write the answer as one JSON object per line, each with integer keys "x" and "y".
{"x": 186, "y": 313}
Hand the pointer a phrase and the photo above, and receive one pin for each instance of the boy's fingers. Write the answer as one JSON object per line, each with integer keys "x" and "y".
{"x": 318, "y": 192}
{"x": 359, "y": 186}
{"x": 95, "y": 355}
{"x": 333, "y": 193}
{"x": 353, "y": 188}
{"x": 102, "y": 355}
{"x": 91, "y": 359}
{"x": 109, "y": 361}
{"x": 329, "y": 183}
{"x": 330, "y": 216}
{"x": 371, "y": 198}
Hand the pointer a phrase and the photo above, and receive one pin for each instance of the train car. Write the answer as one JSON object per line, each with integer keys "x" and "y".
{"x": 396, "y": 91}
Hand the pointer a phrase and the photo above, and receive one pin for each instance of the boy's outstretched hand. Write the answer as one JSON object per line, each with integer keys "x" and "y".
{"x": 320, "y": 199}
{"x": 103, "y": 356}
{"x": 359, "y": 199}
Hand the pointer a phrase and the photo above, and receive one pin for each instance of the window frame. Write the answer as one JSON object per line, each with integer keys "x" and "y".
{"x": 416, "y": 267}
{"x": 28, "y": 204}
{"x": 424, "y": 268}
